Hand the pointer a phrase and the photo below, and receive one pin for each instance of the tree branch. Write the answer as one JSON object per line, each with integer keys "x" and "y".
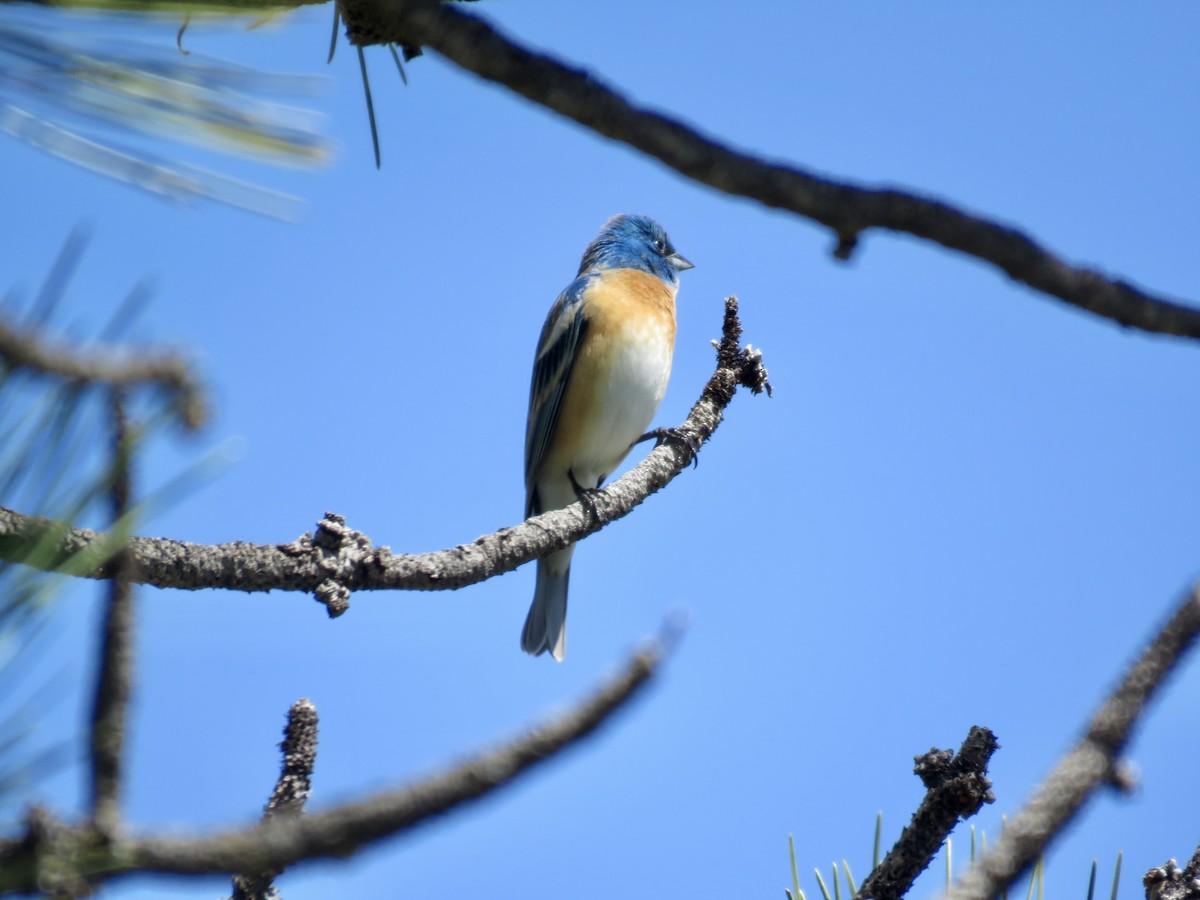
{"x": 337, "y": 560}
{"x": 956, "y": 787}
{"x": 291, "y": 792}
{"x": 52, "y": 854}
{"x": 1093, "y": 761}
{"x": 27, "y": 349}
{"x": 845, "y": 208}
{"x": 114, "y": 682}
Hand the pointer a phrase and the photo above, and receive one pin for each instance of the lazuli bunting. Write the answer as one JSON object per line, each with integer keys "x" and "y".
{"x": 600, "y": 371}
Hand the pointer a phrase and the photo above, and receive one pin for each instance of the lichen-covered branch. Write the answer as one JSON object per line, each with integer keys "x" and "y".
{"x": 1169, "y": 882}
{"x": 957, "y": 786}
{"x": 1093, "y": 762}
{"x": 336, "y": 560}
{"x": 291, "y": 792}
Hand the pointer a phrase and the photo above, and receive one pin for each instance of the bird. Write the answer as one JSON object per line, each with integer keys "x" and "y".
{"x": 599, "y": 374}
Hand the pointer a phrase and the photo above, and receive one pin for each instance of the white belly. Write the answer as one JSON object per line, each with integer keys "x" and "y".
{"x": 626, "y": 396}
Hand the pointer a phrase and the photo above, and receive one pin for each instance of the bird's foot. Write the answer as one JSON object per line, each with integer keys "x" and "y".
{"x": 676, "y": 436}
{"x": 587, "y": 496}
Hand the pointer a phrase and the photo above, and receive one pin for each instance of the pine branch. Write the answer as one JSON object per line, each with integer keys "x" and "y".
{"x": 845, "y": 208}
{"x": 337, "y": 560}
{"x": 1093, "y": 762}
{"x": 53, "y": 856}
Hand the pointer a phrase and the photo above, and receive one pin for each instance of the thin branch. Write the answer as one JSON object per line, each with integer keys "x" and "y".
{"x": 846, "y": 208}
{"x": 956, "y": 788}
{"x": 114, "y": 682}
{"x": 29, "y": 350}
{"x": 1093, "y": 762}
{"x": 291, "y": 792}
{"x": 50, "y": 852}
{"x": 337, "y": 560}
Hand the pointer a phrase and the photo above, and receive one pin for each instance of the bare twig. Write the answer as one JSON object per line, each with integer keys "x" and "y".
{"x": 956, "y": 788}
{"x": 845, "y": 208}
{"x": 299, "y": 756}
{"x": 114, "y": 682}
{"x": 291, "y": 792}
{"x": 1092, "y": 762}
{"x": 29, "y": 350}
{"x": 50, "y": 852}
{"x": 337, "y": 560}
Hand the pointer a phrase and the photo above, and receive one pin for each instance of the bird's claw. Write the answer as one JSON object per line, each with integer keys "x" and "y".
{"x": 586, "y": 496}
{"x": 676, "y": 436}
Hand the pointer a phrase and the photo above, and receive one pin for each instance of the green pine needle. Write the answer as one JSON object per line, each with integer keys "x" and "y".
{"x": 821, "y": 884}
{"x": 795, "y": 892}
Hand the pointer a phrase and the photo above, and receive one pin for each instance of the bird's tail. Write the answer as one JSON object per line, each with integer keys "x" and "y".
{"x": 546, "y": 624}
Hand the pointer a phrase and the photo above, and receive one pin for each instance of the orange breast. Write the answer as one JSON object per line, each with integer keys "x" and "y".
{"x": 619, "y": 376}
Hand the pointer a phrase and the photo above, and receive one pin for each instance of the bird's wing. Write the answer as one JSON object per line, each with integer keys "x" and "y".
{"x": 562, "y": 336}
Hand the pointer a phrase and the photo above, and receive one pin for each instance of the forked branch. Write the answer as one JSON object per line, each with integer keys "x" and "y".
{"x": 957, "y": 786}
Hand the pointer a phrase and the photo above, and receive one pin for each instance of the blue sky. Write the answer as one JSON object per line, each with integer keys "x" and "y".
{"x": 965, "y": 504}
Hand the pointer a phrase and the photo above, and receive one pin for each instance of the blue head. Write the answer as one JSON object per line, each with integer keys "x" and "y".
{"x": 634, "y": 242}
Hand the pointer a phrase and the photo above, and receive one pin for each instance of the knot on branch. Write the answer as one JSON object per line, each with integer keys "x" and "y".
{"x": 744, "y": 363}
{"x": 54, "y": 849}
{"x": 1156, "y": 877}
{"x": 960, "y": 779}
{"x": 333, "y": 596}
{"x": 847, "y": 243}
{"x": 753, "y": 372}
{"x": 1123, "y": 776}
{"x": 956, "y": 786}
{"x": 341, "y": 555}
{"x": 1162, "y": 877}
{"x": 933, "y": 768}
{"x": 1169, "y": 882}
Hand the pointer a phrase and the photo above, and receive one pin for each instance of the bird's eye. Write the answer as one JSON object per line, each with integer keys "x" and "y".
{"x": 660, "y": 245}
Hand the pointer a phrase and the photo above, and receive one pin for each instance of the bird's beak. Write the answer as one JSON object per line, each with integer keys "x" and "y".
{"x": 680, "y": 262}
